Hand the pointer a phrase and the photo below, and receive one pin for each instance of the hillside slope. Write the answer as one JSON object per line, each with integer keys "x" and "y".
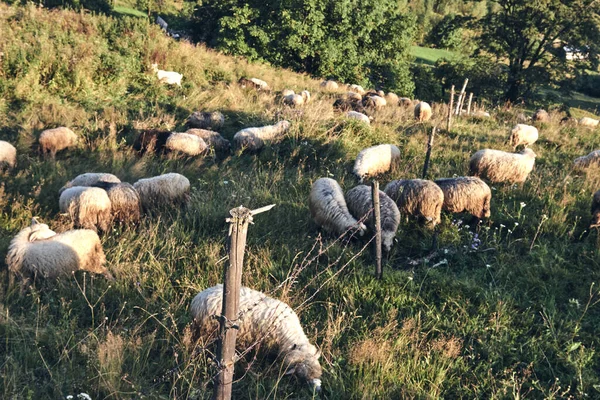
{"x": 504, "y": 308}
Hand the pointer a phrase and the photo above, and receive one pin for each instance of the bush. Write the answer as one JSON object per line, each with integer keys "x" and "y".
{"x": 447, "y": 33}
{"x": 588, "y": 84}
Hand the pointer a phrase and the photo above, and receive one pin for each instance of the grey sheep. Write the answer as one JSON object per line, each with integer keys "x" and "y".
{"x": 418, "y": 197}
{"x": 592, "y": 160}
{"x": 126, "y": 206}
{"x": 213, "y": 139}
{"x": 57, "y": 139}
{"x": 466, "y": 194}
{"x": 500, "y": 166}
{"x": 206, "y": 120}
{"x": 163, "y": 190}
{"x": 541, "y": 116}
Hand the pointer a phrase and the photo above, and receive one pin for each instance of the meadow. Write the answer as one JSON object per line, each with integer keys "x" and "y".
{"x": 505, "y": 308}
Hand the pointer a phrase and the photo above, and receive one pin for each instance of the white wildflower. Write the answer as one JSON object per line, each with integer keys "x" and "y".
{"x": 523, "y": 204}
{"x": 84, "y": 396}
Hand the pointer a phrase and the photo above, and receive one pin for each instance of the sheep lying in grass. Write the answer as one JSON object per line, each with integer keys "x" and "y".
{"x": 329, "y": 210}
{"x": 88, "y": 207}
{"x": 90, "y": 179}
{"x": 376, "y": 160}
{"x": 57, "y": 139}
{"x": 466, "y": 194}
{"x": 523, "y": 134}
{"x": 360, "y": 205}
{"x": 214, "y": 141}
{"x": 329, "y": 85}
{"x": 595, "y": 210}
{"x": 206, "y": 120}
{"x": 264, "y": 320}
{"x": 500, "y": 166}
{"x": 168, "y": 77}
{"x": 423, "y": 112}
{"x": 163, "y": 190}
{"x": 186, "y": 143}
{"x": 254, "y": 139}
{"x": 254, "y": 83}
{"x": 358, "y": 116}
{"x": 126, "y": 206}
{"x": 588, "y": 122}
{"x": 8, "y": 155}
{"x": 541, "y": 116}
{"x": 418, "y": 197}
{"x": 37, "y": 251}
{"x": 592, "y": 160}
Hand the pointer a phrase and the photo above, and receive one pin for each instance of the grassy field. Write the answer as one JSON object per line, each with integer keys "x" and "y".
{"x": 505, "y": 308}
{"x": 429, "y": 56}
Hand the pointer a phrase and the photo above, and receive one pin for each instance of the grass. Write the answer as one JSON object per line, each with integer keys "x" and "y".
{"x": 513, "y": 315}
{"x": 429, "y": 56}
{"x": 129, "y": 11}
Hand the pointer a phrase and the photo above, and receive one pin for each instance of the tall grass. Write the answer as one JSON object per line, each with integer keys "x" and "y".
{"x": 513, "y": 314}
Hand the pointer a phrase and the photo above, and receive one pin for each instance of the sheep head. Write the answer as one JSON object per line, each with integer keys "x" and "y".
{"x": 303, "y": 362}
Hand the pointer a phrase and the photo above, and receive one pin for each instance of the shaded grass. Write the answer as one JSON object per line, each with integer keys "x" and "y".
{"x": 429, "y": 56}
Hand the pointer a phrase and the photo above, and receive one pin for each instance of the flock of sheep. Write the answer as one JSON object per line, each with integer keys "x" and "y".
{"x": 94, "y": 201}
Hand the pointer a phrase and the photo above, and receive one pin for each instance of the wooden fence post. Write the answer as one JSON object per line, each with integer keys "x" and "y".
{"x": 450, "y": 108}
{"x": 428, "y": 154}
{"x": 461, "y": 97}
{"x": 469, "y": 103}
{"x": 232, "y": 283}
{"x": 377, "y": 225}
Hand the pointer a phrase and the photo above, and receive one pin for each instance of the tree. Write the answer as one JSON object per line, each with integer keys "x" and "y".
{"x": 531, "y": 37}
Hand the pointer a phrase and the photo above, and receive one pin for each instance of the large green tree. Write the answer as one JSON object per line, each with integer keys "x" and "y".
{"x": 531, "y": 35}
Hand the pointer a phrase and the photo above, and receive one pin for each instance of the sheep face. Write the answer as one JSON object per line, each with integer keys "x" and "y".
{"x": 388, "y": 240}
{"x": 304, "y": 363}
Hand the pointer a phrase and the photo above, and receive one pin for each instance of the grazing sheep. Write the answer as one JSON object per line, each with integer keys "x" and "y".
{"x": 595, "y": 210}
{"x": 344, "y": 105}
{"x": 168, "y": 77}
{"x": 592, "y": 160}
{"x": 293, "y": 100}
{"x": 405, "y": 102}
{"x": 36, "y": 251}
{"x": 90, "y": 179}
{"x": 500, "y": 166}
{"x": 214, "y": 141}
{"x": 541, "y": 116}
{"x": 376, "y": 160}
{"x": 126, "y": 206}
{"x": 360, "y": 205}
{"x": 329, "y": 210}
{"x": 264, "y": 320}
{"x": 588, "y": 122}
{"x": 359, "y": 116}
{"x": 253, "y": 139}
{"x": 254, "y": 83}
{"x": 8, "y": 154}
{"x": 152, "y": 140}
{"x": 466, "y": 193}
{"x": 163, "y": 190}
{"x": 353, "y": 96}
{"x": 523, "y": 134}
{"x": 374, "y": 101}
{"x": 186, "y": 143}
{"x": 357, "y": 88}
{"x": 392, "y": 98}
{"x": 88, "y": 207}
{"x": 418, "y": 197}
{"x": 423, "y": 112}
{"x": 286, "y": 92}
{"x": 57, "y": 139}
{"x": 481, "y": 114}
{"x": 329, "y": 85}
{"x": 206, "y": 120}
{"x": 305, "y": 95}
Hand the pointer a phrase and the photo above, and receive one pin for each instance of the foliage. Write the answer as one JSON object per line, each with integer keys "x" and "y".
{"x": 589, "y": 84}
{"x": 448, "y": 32}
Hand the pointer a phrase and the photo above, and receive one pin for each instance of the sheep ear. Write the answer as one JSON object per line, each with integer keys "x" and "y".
{"x": 34, "y": 221}
{"x": 290, "y": 370}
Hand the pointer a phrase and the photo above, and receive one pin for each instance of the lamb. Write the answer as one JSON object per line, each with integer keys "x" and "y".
{"x": 8, "y": 154}
{"x": 39, "y": 252}
{"x": 595, "y": 210}
{"x": 541, "y": 116}
{"x": 163, "y": 190}
{"x": 214, "y": 141}
{"x": 57, "y": 139}
{"x": 523, "y": 134}
{"x": 90, "y": 179}
{"x": 329, "y": 85}
{"x": 168, "y": 77}
{"x": 88, "y": 207}
{"x": 186, "y": 143}
{"x": 500, "y": 166}
{"x": 592, "y": 160}
{"x": 126, "y": 206}
{"x": 329, "y": 210}
{"x": 359, "y": 116}
{"x": 418, "y": 197}
{"x": 265, "y": 320}
{"x": 589, "y": 122}
{"x": 152, "y": 140}
{"x": 423, "y": 112}
{"x": 376, "y": 160}
{"x": 206, "y": 120}
{"x": 360, "y": 205}
{"x": 466, "y": 193}
{"x": 254, "y": 83}
{"x": 254, "y": 139}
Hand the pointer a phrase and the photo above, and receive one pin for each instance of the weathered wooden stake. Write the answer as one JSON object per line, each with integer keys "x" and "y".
{"x": 469, "y": 103}
{"x": 232, "y": 283}
{"x": 377, "y": 225}
{"x": 461, "y": 97}
{"x": 428, "y": 154}
{"x": 450, "y": 108}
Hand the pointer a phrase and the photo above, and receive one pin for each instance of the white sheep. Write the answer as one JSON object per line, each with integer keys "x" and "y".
{"x": 8, "y": 154}
{"x": 213, "y": 139}
{"x": 360, "y": 205}
{"x": 541, "y": 116}
{"x": 262, "y": 85}
{"x": 329, "y": 85}
{"x": 39, "y": 252}
{"x": 305, "y": 95}
{"x": 500, "y": 166}
{"x": 423, "y": 111}
{"x": 88, "y": 207}
{"x": 376, "y": 101}
{"x": 418, "y": 197}
{"x": 357, "y": 88}
{"x": 481, "y": 114}
{"x": 466, "y": 193}
{"x": 286, "y": 92}
{"x": 255, "y": 83}
{"x": 126, "y": 206}
{"x": 353, "y": 96}
{"x": 392, "y": 98}
{"x": 90, "y": 179}
{"x": 405, "y": 102}
{"x": 57, "y": 139}
{"x": 163, "y": 190}
{"x": 523, "y": 134}
{"x": 589, "y": 122}
{"x": 186, "y": 143}
{"x": 254, "y": 139}
{"x": 358, "y": 116}
{"x": 168, "y": 77}
{"x": 264, "y": 320}
{"x": 329, "y": 210}
{"x": 376, "y": 160}
{"x": 293, "y": 100}
{"x": 206, "y": 120}
{"x": 591, "y": 160}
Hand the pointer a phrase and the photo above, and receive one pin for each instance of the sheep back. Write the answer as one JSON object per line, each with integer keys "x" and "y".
{"x": 213, "y": 139}
{"x": 376, "y": 160}
{"x": 90, "y": 179}
{"x": 466, "y": 193}
{"x": 500, "y": 166}
{"x": 57, "y": 139}
{"x": 523, "y": 134}
{"x": 125, "y": 201}
{"x": 206, "y": 120}
{"x": 541, "y": 116}
{"x": 186, "y": 143}
{"x": 8, "y": 154}
{"x": 417, "y": 197}
{"x": 163, "y": 190}
{"x": 423, "y": 112}
{"x": 254, "y": 139}
{"x": 88, "y": 207}
{"x": 589, "y": 122}
{"x": 591, "y": 160}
